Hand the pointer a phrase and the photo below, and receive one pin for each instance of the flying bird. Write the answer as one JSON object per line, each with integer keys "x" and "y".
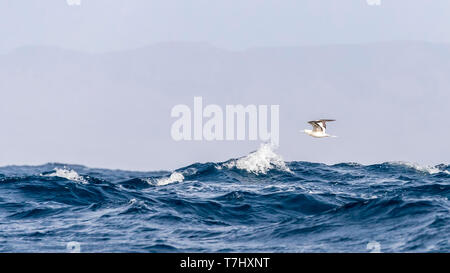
{"x": 319, "y": 127}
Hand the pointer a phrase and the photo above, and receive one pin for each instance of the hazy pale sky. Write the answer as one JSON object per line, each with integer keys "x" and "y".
{"x": 113, "y": 109}
{"x": 103, "y": 25}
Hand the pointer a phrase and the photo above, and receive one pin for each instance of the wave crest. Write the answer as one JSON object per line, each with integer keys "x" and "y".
{"x": 259, "y": 161}
{"x": 67, "y": 174}
{"x": 426, "y": 169}
{"x": 173, "y": 178}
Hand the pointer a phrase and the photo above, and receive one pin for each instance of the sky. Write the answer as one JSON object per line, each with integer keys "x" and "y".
{"x": 94, "y": 83}
{"x": 105, "y": 25}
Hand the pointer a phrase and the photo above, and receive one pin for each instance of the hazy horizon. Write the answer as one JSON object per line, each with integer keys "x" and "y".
{"x": 211, "y": 45}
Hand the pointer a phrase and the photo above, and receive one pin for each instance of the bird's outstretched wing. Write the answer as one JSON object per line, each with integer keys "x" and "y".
{"x": 316, "y": 126}
{"x": 320, "y": 125}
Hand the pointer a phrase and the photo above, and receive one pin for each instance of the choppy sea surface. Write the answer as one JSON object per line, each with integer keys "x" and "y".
{"x": 257, "y": 203}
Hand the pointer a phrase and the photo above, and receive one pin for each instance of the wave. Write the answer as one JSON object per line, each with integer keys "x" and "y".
{"x": 259, "y": 161}
{"x": 427, "y": 169}
{"x": 67, "y": 174}
{"x": 254, "y": 203}
{"x": 173, "y": 178}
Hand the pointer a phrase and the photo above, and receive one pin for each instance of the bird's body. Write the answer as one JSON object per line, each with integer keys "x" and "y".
{"x": 315, "y": 134}
{"x": 319, "y": 128}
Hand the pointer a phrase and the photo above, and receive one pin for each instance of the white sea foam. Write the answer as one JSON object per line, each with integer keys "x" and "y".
{"x": 427, "y": 169}
{"x": 260, "y": 161}
{"x": 173, "y": 178}
{"x": 68, "y": 174}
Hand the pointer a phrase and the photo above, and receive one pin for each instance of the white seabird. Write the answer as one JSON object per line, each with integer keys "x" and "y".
{"x": 319, "y": 127}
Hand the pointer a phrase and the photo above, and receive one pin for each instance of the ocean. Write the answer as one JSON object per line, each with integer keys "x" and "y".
{"x": 256, "y": 203}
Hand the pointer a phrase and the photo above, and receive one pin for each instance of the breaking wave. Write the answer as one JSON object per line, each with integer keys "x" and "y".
{"x": 259, "y": 162}
{"x": 173, "y": 178}
{"x": 67, "y": 174}
{"x": 428, "y": 169}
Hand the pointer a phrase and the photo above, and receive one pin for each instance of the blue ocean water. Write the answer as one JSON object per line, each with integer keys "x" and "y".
{"x": 257, "y": 203}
